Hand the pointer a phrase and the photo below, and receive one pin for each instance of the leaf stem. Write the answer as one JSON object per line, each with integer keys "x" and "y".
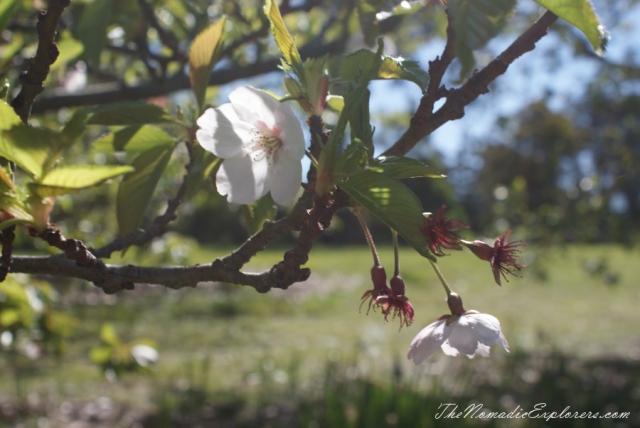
{"x": 396, "y": 257}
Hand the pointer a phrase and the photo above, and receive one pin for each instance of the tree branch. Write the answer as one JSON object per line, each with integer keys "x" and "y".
{"x": 424, "y": 122}
{"x": 33, "y": 79}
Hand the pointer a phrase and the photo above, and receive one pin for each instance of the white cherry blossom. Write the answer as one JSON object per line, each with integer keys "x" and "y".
{"x": 261, "y": 142}
{"x": 467, "y": 334}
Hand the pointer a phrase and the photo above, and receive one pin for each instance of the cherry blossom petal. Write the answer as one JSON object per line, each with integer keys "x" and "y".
{"x": 255, "y": 106}
{"x": 462, "y": 339}
{"x": 428, "y": 340}
{"x": 486, "y": 329}
{"x": 290, "y": 132}
{"x": 222, "y": 132}
{"x": 243, "y": 180}
{"x": 285, "y": 176}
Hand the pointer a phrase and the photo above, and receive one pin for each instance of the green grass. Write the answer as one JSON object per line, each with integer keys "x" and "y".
{"x": 232, "y": 340}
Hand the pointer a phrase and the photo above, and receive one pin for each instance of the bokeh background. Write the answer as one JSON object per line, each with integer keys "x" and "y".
{"x": 552, "y": 152}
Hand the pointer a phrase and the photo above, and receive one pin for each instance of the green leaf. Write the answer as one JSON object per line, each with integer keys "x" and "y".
{"x": 203, "y": 54}
{"x": 475, "y": 23}
{"x": 7, "y": 9}
{"x": 402, "y": 167}
{"x": 9, "y": 317}
{"x": 136, "y": 189}
{"x": 32, "y": 149}
{"x": 71, "y": 179}
{"x": 76, "y": 125}
{"x": 367, "y": 11}
{"x": 360, "y": 122}
{"x": 581, "y": 15}
{"x": 92, "y": 27}
{"x": 205, "y": 164}
{"x": 283, "y": 38}
{"x": 256, "y": 213}
{"x": 335, "y": 102}
{"x": 101, "y": 354}
{"x": 108, "y": 335}
{"x": 129, "y": 113}
{"x": 391, "y": 202}
{"x": 134, "y": 139}
{"x": 352, "y": 160}
{"x": 353, "y": 64}
{"x": 8, "y": 117}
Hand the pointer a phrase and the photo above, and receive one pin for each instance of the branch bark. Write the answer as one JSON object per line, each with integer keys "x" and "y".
{"x": 32, "y": 80}
{"x": 424, "y": 122}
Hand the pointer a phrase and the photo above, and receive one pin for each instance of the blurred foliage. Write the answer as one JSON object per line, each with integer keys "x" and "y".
{"x": 566, "y": 176}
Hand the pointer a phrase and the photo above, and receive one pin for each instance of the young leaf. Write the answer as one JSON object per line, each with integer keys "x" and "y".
{"x": 360, "y": 122}
{"x": 92, "y": 27}
{"x": 137, "y": 187}
{"x": 475, "y": 23}
{"x": 581, "y": 15}
{"x": 70, "y": 179}
{"x": 32, "y": 149}
{"x": 391, "y": 202}
{"x": 134, "y": 139}
{"x": 352, "y": 65}
{"x": 129, "y": 113}
{"x": 402, "y": 167}
{"x": 256, "y": 213}
{"x": 203, "y": 54}
{"x": 108, "y": 335}
{"x": 7, "y": 8}
{"x": 283, "y": 38}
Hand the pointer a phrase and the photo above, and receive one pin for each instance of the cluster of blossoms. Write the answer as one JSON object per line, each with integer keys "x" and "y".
{"x": 262, "y": 145}
{"x": 391, "y": 300}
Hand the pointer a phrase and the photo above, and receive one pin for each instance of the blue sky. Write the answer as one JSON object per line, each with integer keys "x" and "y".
{"x": 527, "y": 80}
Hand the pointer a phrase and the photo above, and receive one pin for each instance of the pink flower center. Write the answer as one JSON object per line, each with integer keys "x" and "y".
{"x": 264, "y": 143}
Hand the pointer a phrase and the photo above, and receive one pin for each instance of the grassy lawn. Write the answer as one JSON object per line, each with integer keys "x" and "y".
{"x": 578, "y": 300}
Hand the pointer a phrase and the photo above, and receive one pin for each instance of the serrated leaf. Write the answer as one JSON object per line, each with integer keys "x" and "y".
{"x": 7, "y": 9}
{"x": 134, "y": 139}
{"x": 352, "y": 65}
{"x": 70, "y": 179}
{"x": 475, "y": 23}
{"x": 283, "y": 38}
{"x": 203, "y": 54}
{"x": 580, "y": 14}
{"x": 402, "y": 167}
{"x": 391, "y": 202}
{"x": 108, "y": 334}
{"x": 256, "y": 213}
{"x": 92, "y": 27}
{"x": 136, "y": 189}
{"x": 129, "y": 113}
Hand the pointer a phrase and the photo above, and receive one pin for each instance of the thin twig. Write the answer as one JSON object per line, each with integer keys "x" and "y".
{"x": 423, "y": 123}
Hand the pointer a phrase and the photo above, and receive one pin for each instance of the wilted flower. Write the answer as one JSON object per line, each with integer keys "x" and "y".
{"x": 261, "y": 142}
{"x": 379, "y": 278}
{"x": 397, "y": 303}
{"x": 465, "y": 332}
{"x": 502, "y": 256}
{"x": 438, "y": 232}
